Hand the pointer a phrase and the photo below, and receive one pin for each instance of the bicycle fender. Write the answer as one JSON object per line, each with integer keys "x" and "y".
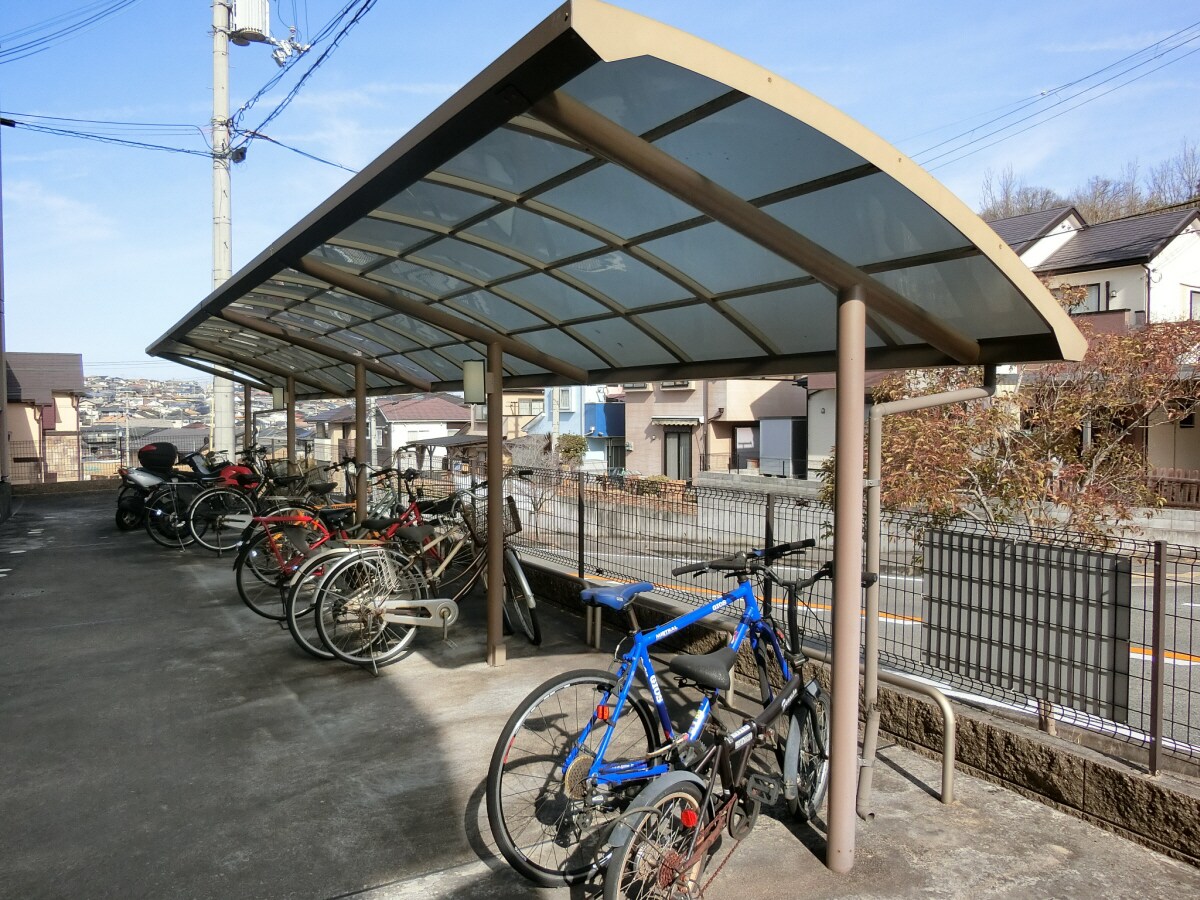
{"x": 646, "y": 798}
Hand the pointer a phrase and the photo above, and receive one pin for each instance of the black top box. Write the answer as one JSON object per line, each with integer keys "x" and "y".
{"x": 158, "y": 456}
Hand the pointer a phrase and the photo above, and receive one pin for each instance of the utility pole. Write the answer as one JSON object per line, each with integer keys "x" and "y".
{"x": 5, "y": 474}
{"x": 222, "y": 245}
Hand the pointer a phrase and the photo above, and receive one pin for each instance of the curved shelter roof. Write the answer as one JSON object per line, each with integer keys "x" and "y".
{"x": 614, "y": 200}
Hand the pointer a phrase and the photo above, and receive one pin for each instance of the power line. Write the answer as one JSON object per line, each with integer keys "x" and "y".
{"x": 1064, "y": 100}
{"x": 254, "y": 135}
{"x": 364, "y": 6}
{"x": 107, "y": 139}
{"x": 1047, "y": 119}
{"x": 92, "y": 14}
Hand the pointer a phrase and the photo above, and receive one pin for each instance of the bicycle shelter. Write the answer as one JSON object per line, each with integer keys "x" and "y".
{"x": 613, "y": 200}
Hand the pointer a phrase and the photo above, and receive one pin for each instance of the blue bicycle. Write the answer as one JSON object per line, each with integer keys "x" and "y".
{"x": 581, "y": 745}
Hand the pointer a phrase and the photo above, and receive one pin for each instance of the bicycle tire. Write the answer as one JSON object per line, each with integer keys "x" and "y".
{"x": 519, "y": 605}
{"x": 545, "y": 833}
{"x": 646, "y": 864}
{"x": 805, "y": 762}
{"x": 349, "y": 607}
{"x": 166, "y": 520}
{"x": 217, "y": 517}
{"x": 260, "y": 580}
{"x": 301, "y": 600}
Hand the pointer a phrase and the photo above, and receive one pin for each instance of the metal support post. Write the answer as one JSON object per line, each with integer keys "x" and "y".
{"x": 1158, "y": 649}
{"x": 290, "y": 417}
{"x": 247, "y": 418}
{"x": 847, "y": 577}
{"x": 871, "y": 618}
{"x": 360, "y": 441}
{"x": 496, "y": 653}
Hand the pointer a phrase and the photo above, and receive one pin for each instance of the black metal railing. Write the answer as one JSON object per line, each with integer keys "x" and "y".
{"x": 1103, "y": 638}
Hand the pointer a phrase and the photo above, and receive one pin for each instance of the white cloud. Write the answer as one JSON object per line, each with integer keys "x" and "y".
{"x": 56, "y": 219}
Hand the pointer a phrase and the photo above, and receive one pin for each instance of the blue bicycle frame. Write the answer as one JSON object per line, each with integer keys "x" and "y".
{"x": 751, "y": 624}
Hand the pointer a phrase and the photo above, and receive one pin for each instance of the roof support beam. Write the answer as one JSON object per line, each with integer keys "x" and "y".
{"x": 627, "y": 150}
{"x": 215, "y": 372}
{"x": 306, "y": 378}
{"x": 444, "y": 320}
{"x": 270, "y": 329}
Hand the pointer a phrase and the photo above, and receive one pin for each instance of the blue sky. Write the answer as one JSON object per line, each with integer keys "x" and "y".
{"x": 106, "y": 247}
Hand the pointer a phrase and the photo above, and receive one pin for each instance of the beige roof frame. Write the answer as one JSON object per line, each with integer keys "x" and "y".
{"x": 613, "y": 200}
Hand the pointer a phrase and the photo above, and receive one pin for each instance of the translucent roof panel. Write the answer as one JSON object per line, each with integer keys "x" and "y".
{"x": 613, "y": 196}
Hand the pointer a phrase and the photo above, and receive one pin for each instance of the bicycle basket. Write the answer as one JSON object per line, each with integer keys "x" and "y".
{"x": 476, "y": 518}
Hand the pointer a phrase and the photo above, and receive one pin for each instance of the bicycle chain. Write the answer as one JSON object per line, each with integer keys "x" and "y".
{"x": 713, "y": 876}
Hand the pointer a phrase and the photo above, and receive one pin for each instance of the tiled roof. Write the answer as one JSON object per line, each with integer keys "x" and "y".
{"x": 1021, "y": 231}
{"x": 426, "y": 408}
{"x": 1121, "y": 242}
{"x": 34, "y": 377}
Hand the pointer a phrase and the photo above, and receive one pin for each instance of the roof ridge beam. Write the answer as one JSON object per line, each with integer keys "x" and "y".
{"x": 625, "y": 149}
{"x": 431, "y": 315}
{"x": 270, "y": 369}
{"x": 270, "y": 329}
{"x": 212, "y": 370}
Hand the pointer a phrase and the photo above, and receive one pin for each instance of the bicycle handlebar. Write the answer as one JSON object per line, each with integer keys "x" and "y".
{"x": 744, "y": 562}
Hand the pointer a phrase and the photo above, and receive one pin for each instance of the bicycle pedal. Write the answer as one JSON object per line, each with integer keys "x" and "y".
{"x": 763, "y": 789}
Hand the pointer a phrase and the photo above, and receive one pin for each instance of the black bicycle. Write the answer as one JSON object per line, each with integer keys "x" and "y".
{"x": 663, "y": 842}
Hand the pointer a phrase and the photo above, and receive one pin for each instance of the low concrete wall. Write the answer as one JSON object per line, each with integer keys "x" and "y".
{"x": 97, "y": 485}
{"x": 1162, "y": 812}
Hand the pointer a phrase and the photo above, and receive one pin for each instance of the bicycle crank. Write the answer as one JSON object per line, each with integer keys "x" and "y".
{"x": 441, "y": 613}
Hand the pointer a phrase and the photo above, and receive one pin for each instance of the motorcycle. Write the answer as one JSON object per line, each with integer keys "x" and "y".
{"x": 158, "y": 466}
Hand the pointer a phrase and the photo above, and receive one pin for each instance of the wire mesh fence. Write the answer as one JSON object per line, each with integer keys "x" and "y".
{"x": 995, "y": 615}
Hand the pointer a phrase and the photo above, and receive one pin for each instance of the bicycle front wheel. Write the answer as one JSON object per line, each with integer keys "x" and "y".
{"x": 261, "y": 581}
{"x": 217, "y": 517}
{"x": 653, "y": 861}
{"x": 518, "y": 599}
{"x": 351, "y": 611}
{"x": 542, "y": 813}
{"x": 806, "y": 758}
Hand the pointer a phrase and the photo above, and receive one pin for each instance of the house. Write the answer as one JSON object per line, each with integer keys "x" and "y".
{"x": 680, "y": 428}
{"x": 1133, "y": 270}
{"x": 422, "y": 417}
{"x": 1148, "y": 266}
{"x": 595, "y": 413}
{"x": 44, "y": 390}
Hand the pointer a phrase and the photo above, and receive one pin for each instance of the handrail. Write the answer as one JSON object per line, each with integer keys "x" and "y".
{"x": 949, "y": 726}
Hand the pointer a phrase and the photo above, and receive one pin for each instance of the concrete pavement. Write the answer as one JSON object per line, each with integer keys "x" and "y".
{"x": 160, "y": 740}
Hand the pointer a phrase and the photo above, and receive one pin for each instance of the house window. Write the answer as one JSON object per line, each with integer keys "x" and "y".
{"x": 677, "y": 453}
{"x": 529, "y": 407}
{"x": 479, "y": 412}
{"x": 562, "y": 397}
{"x": 1194, "y": 306}
{"x": 636, "y": 386}
{"x": 674, "y": 385}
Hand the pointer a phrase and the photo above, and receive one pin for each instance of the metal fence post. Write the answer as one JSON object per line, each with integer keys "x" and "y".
{"x": 1157, "y": 662}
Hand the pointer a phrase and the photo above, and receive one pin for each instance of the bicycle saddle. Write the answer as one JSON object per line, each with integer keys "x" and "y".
{"x": 336, "y": 518}
{"x": 617, "y": 597}
{"x": 710, "y": 670}
{"x": 321, "y": 488}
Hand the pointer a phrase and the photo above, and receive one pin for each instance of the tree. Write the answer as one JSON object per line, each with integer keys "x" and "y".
{"x": 1004, "y": 196}
{"x": 1173, "y": 182}
{"x": 571, "y": 448}
{"x": 1063, "y": 452}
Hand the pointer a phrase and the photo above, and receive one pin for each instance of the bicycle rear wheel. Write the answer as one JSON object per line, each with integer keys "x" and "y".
{"x": 301, "y": 601}
{"x": 539, "y": 809}
{"x": 166, "y": 520}
{"x": 261, "y": 581}
{"x": 806, "y": 758}
{"x": 350, "y": 606}
{"x": 651, "y": 862}
{"x": 217, "y": 518}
